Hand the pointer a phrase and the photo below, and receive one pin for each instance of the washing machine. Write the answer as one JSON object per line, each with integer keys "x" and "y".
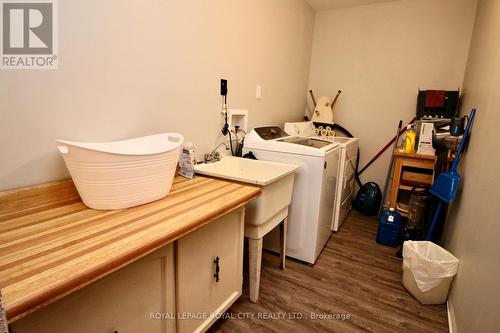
{"x": 313, "y": 200}
{"x": 345, "y": 187}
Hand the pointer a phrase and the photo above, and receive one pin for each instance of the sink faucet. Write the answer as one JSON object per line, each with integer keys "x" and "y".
{"x": 214, "y": 155}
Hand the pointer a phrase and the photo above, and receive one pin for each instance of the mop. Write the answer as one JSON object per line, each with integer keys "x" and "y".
{"x": 388, "y": 178}
{"x": 445, "y": 187}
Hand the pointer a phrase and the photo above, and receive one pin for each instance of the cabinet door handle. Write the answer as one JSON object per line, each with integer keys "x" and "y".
{"x": 217, "y": 269}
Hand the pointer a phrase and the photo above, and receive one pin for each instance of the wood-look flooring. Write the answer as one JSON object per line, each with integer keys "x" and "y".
{"x": 354, "y": 276}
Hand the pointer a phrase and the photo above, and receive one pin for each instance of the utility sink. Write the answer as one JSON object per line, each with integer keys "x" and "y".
{"x": 264, "y": 213}
{"x": 275, "y": 180}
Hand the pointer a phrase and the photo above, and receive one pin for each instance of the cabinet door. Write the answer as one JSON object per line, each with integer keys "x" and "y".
{"x": 200, "y": 297}
{"x": 122, "y": 302}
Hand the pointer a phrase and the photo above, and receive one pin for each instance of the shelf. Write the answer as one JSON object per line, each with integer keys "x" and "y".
{"x": 416, "y": 177}
{"x": 403, "y": 209}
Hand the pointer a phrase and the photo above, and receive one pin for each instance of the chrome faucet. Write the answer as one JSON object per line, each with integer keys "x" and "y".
{"x": 214, "y": 155}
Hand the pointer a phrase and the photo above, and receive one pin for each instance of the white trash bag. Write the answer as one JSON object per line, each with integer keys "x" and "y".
{"x": 429, "y": 263}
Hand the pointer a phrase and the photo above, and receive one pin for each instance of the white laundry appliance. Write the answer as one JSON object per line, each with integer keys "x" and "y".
{"x": 346, "y": 178}
{"x": 311, "y": 209}
{"x": 347, "y": 168}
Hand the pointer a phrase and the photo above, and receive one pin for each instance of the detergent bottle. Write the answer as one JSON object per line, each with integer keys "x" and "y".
{"x": 409, "y": 143}
{"x": 187, "y": 161}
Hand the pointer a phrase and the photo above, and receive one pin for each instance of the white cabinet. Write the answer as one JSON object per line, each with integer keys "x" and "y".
{"x": 158, "y": 292}
{"x": 121, "y": 302}
{"x": 209, "y": 272}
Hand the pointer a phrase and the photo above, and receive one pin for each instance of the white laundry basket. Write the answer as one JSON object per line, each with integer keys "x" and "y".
{"x": 428, "y": 270}
{"x": 121, "y": 174}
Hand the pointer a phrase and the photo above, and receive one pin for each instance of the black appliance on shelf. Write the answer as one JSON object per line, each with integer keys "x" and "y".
{"x": 437, "y": 104}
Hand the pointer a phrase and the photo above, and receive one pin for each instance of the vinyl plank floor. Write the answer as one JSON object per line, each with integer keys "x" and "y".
{"x": 355, "y": 286}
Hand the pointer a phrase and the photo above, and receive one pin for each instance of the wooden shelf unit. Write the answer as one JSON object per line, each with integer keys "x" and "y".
{"x": 404, "y": 179}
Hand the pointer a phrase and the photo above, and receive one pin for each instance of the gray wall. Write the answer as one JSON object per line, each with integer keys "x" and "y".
{"x": 132, "y": 68}
{"x": 379, "y": 55}
{"x": 473, "y": 230}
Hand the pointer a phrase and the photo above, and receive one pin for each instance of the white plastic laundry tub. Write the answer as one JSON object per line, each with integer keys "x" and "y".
{"x": 121, "y": 174}
{"x": 275, "y": 180}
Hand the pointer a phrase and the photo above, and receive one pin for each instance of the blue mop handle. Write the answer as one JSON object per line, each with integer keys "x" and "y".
{"x": 434, "y": 220}
{"x": 461, "y": 148}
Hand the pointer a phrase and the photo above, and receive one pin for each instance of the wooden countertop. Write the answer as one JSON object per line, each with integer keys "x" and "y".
{"x": 52, "y": 245}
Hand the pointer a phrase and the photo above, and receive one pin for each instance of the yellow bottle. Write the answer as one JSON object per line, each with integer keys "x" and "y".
{"x": 409, "y": 146}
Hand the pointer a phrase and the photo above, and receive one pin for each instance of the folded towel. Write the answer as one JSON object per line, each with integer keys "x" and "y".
{"x": 434, "y": 98}
{"x": 3, "y": 319}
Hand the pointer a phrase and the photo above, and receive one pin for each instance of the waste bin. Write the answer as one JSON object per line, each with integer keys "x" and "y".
{"x": 427, "y": 271}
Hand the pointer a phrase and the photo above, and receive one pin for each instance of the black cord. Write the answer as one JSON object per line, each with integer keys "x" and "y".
{"x": 239, "y": 146}
{"x": 226, "y": 127}
{"x": 231, "y": 142}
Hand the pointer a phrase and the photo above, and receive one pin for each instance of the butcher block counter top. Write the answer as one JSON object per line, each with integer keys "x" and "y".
{"x": 52, "y": 245}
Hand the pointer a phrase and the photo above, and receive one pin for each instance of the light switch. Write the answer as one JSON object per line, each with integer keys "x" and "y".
{"x": 258, "y": 92}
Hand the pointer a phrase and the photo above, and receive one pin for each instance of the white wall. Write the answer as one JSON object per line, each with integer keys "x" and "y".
{"x": 132, "y": 68}
{"x": 472, "y": 229}
{"x": 379, "y": 55}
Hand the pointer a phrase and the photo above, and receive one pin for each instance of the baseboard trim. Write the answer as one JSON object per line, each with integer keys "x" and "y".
{"x": 451, "y": 317}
